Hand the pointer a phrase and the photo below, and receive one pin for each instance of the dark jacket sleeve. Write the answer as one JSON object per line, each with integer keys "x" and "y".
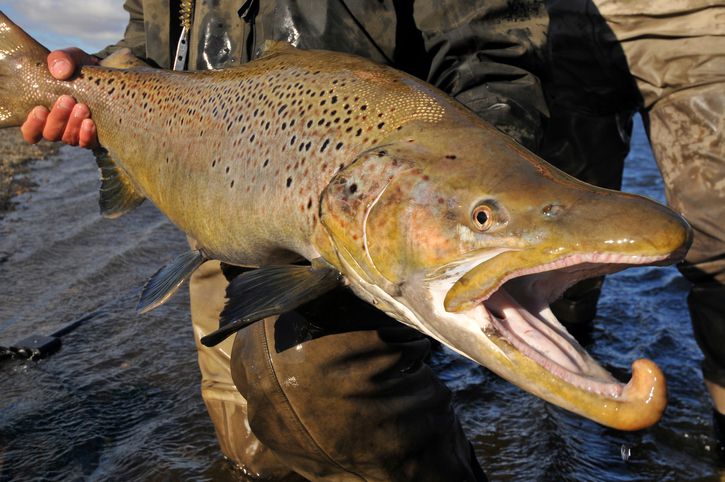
{"x": 135, "y": 36}
{"x": 485, "y": 55}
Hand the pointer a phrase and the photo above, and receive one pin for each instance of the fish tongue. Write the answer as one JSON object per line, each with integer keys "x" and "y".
{"x": 526, "y": 331}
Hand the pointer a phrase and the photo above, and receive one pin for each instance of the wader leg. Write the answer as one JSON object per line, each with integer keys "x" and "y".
{"x": 227, "y": 408}
{"x": 694, "y": 175}
{"x": 347, "y": 396}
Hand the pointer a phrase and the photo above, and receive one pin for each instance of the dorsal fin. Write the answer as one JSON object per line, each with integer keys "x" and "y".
{"x": 271, "y": 47}
{"x": 118, "y": 194}
{"x": 123, "y": 59}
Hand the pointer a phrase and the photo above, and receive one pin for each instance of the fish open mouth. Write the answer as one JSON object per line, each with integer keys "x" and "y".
{"x": 519, "y": 311}
{"x": 512, "y": 310}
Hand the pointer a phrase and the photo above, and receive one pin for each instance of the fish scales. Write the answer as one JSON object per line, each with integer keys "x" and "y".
{"x": 260, "y": 141}
{"x": 383, "y": 183}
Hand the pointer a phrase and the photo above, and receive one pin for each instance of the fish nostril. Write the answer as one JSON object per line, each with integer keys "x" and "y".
{"x": 552, "y": 210}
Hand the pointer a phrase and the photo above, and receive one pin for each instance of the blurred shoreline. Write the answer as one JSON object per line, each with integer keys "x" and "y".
{"x": 15, "y": 158}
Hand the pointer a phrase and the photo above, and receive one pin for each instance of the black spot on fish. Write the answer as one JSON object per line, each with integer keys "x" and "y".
{"x": 289, "y": 181}
{"x": 380, "y": 126}
{"x": 266, "y": 163}
{"x": 324, "y": 145}
{"x": 339, "y": 146}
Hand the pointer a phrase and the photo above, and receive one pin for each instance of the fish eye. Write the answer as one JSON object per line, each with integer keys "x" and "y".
{"x": 482, "y": 217}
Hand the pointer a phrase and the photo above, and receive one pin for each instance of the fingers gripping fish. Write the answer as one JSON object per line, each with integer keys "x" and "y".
{"x": 380, "y": 182}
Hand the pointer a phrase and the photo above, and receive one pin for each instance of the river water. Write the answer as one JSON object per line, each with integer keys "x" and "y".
{"x": 121, "y": 401}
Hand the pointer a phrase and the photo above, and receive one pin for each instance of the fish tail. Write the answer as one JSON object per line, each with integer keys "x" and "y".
{"x": 22, "y": 69}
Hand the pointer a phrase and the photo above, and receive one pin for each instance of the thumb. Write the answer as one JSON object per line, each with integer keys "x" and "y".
{"x": 63, "y": 63}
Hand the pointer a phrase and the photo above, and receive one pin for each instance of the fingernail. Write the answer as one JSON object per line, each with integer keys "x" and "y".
{"x": 40, "y": 114}
{"x": 60, "y": 68}
{"x": 80, "y": 111}
{"x": 64, "y": 102}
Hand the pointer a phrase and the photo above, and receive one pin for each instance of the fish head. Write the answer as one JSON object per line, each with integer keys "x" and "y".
{"x": 468, "y": 237}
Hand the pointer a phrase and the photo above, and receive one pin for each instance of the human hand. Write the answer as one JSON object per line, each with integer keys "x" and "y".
{"x": 67, "y": 121}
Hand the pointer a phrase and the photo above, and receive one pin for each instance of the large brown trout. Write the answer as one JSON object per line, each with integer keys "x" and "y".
{"x": 382, "y": 183}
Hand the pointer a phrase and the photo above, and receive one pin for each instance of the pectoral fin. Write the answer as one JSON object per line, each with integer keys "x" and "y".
{"x": 118, "y": 194}
{"x": 267, "y": 291}
{"x": 166, "y": 281}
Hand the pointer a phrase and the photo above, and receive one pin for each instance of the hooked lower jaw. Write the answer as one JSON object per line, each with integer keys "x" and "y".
{"x": 537, "y": 336}
{"x": 517, "y": 319}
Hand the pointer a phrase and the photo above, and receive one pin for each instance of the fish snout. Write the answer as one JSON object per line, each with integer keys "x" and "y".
{"x": 611, "y": 222}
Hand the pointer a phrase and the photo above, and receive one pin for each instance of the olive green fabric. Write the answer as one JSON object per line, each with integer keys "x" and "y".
{"x": 147, "y": 33}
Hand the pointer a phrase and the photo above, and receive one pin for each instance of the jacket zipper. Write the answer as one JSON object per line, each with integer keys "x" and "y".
{"x": 182, "y": 48}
